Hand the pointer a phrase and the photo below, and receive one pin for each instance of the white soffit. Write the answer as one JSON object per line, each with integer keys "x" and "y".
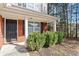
{"x": 15, "y": 13}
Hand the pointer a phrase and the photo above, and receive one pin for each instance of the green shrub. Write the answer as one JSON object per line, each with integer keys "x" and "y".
{"x": 46, "y": 34}
{"x": 51, "y": 38}
{"x": 36, "y": 40}
{"x": 40, "y": 40}
{"x": 55, "y": 39}
{"x": 61, "y": 36}
{"x": 31, "y": 41}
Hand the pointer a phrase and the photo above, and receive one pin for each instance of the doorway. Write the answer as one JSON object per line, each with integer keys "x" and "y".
{"x": 11, "y": 30}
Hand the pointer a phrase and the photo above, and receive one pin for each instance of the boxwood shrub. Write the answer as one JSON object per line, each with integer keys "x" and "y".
{"x": 55, "y": 40}
{"x": 40, "y": 40}
{"x": 61, "y": 36}
{"x": 31, "y": 41}
{"x": 51, "y": 38}
{"x": 46, "y": 34}
{"x": 37, "y": 40}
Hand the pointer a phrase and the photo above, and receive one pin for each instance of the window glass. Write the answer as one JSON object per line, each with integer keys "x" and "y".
{"x": 24, "y": 5}
{"x": 30, "y": 24}
{"x": 30, "y": 6}
{"x": 19, "y": 4}
{"x": 37, "y": 7}
{"x": 34, "y": 27}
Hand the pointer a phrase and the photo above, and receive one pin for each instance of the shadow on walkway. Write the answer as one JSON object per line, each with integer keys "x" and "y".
{"x": 20, "y": 48}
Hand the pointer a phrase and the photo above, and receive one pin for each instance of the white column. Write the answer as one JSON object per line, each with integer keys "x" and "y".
{"x": 5, "y": 30}
{"x": 54, "y": 26}
{"x": 17, "y": 29}
{"x": 26, "y": 28}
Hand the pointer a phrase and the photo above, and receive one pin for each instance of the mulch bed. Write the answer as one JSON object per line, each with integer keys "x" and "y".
{"x": 67, "y": 48}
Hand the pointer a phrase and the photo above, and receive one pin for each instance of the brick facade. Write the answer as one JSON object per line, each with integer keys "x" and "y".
{"x": 21, "y": 36}
{"x": 44, "y": 26}
{"x": 1, "y": 31}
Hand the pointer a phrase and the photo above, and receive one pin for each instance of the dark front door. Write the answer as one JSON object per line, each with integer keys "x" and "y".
{"x": 11, "y": 30}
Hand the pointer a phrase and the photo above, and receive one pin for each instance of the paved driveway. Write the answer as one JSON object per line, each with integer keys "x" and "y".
{"x": 14, "y": 50}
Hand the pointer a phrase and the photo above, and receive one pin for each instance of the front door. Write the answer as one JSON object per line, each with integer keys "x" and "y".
{"x": 11, "y": 30}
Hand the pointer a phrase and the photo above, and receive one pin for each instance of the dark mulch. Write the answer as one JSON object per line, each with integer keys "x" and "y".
{"x": 67, "y": 48}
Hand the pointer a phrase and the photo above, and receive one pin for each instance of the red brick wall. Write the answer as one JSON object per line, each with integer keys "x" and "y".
{"x": 1, "y": 32}
{"x": 44, "y": 26}
{"x": 21, "y": 36}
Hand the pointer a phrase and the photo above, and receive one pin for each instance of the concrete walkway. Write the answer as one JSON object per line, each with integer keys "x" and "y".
{"x": 14, "y": 50}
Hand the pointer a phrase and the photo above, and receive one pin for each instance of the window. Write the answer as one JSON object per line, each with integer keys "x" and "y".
{"x": 37, "y": 7}
{"x": 30, "y": 6}
{"x": 34, "y": 27}
{"x": 19, "y": 4}
{"x": 24, "y": 5}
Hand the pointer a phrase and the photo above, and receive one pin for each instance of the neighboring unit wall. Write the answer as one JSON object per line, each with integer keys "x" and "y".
{"x": 1, "y": 31}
